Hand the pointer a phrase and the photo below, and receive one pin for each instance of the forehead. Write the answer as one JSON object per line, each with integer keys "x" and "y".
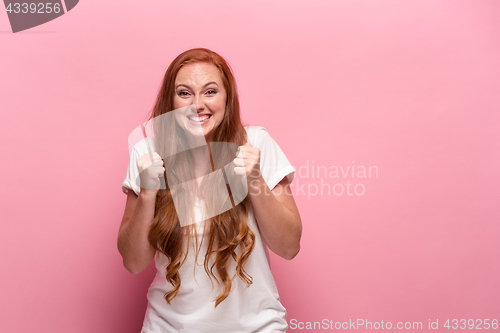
{"x": 198, "y": 73}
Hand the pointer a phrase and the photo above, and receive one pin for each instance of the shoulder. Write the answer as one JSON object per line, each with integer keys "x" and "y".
{"x": 143, "y": 145}
{"x": 257, "y": 135}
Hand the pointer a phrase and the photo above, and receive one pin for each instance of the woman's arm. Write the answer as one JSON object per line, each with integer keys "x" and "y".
{"x": 275, "y": 211}
{"x": 277, "y": 216}
{"x": 133, "y": 243}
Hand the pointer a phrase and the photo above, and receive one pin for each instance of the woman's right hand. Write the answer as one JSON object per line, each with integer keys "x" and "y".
{"x": 150, "y": 168}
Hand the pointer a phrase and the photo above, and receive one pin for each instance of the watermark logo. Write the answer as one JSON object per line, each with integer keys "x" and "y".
{"x": 333, "y": 180}
{"x": 24, "y": 15}
{"x": 172, "y": 153}
{"x": 178, "y": 140}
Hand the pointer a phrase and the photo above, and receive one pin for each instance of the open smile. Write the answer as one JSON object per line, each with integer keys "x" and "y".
{"x": 199, "y": 119}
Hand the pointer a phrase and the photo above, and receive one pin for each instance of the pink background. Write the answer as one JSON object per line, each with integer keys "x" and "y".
{"x": 411, "y": 87}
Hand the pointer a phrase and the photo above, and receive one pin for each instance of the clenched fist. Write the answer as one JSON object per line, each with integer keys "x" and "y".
{"x": 247, "y": 162}
{"x": 150, "y": 168}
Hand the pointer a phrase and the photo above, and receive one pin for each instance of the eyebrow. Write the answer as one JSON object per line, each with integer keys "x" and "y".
{"x": 206, "y": 84}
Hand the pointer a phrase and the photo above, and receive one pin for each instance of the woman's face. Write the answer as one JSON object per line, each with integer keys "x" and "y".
{"x": 200, "y": 99}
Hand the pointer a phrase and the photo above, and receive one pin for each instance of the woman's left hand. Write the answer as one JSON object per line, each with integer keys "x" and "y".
{"x": 247, "y": 162}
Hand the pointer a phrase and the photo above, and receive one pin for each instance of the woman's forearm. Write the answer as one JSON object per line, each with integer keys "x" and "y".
{"x": 133, "y": 242}
{"x": 279, "y": 222}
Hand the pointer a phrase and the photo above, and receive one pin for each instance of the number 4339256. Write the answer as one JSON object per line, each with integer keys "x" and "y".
{"x": 477, "y": 324}
{"x": 41, "y": 8}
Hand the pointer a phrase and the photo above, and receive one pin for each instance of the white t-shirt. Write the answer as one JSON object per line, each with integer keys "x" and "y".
{"x": 253, "y": 309}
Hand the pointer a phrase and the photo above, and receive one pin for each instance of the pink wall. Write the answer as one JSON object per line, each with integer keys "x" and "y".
{"x": 409, "y": 87}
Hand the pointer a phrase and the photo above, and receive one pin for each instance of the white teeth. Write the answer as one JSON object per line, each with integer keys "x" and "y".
{"x": 199, "y": 119}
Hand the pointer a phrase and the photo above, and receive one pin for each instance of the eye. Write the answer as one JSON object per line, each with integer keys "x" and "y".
{"x": 182, "y": 93}
{"x": 211, "y": 92}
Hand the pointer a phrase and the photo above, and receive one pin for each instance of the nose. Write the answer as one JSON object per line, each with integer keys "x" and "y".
{"x": 199, "y": 104}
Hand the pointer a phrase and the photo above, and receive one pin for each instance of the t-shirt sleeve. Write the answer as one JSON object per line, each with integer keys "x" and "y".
{"x": 132, "y": 177}
{"x": 273, "y": 163}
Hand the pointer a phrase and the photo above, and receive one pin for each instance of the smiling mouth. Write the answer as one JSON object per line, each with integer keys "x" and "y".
{"x": 199, "y": 119}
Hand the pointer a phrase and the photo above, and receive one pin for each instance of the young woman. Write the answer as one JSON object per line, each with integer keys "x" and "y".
{"x": 206, "y": 210}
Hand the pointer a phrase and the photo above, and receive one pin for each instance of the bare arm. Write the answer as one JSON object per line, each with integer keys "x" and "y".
{"x": 277, "y": 216}
{"x": 275, "y": 211}
{"x": 133, "y": 243}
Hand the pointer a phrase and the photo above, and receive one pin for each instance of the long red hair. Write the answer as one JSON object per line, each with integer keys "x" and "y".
{"x": 228, "y": 234}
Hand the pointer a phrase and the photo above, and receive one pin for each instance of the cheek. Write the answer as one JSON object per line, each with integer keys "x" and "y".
{"x": 218, "y": 105}
{"x": 178, "y": 102}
